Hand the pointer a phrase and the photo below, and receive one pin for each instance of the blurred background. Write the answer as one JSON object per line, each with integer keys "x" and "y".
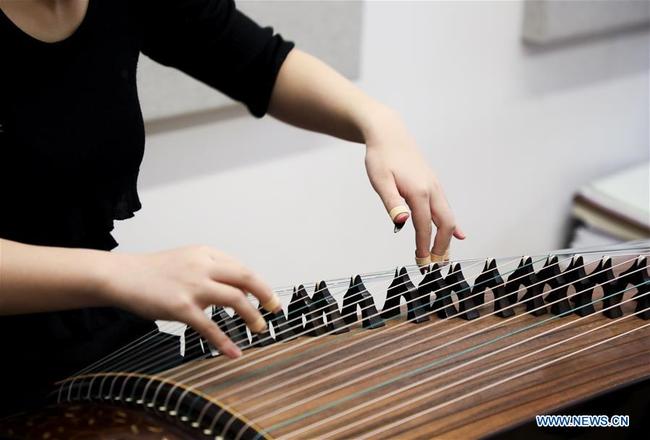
{"x": 524, "y": 110}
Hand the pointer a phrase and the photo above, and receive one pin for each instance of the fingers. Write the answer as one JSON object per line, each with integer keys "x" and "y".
{"x": 446, "y": 226}
{"x": 419, "y": 202}
{"x": 430, "y": 205}
{"x": 229, "y": 296}
{"x": 234, "y": 274}
{"x": 195, "y": 318}
{"x": 393, "y": 202}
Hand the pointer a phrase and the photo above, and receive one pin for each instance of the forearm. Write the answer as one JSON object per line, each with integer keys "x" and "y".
{"x": 311, "y": 95}
{"x": 38, "y": 279}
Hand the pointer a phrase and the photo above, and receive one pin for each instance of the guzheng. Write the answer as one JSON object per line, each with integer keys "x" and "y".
{"x": 466, "y": 349}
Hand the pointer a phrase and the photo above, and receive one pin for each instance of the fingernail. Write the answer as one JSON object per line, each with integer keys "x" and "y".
{"x": 259, "y": 326}
{"x": 273, "y": 305}
{"x": 399, "y": 215}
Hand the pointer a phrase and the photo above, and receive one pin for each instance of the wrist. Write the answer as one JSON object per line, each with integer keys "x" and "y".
{"x": 377, "y": 119}
{"x": 104, "y": 271}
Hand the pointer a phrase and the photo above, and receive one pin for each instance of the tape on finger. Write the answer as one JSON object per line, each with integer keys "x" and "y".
{"x": 423, "y": 261}
{"x": 272, "y": 305}
{"x": 435, "y": 258}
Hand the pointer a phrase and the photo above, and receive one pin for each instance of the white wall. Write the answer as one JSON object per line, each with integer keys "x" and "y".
{"x": 510, "y": 131}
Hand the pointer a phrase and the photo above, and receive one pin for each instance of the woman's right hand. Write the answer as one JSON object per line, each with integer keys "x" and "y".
{"x": 179, "y": 284}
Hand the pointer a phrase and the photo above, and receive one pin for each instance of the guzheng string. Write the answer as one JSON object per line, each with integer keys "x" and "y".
{"x": 171, "y": 354}
{"x": 285, "y": 384}
{"x": 249, "y": 385}
{"x": 299, "y": 326}
{"x": 640, "y": 244}
{"x": 371, "y": 434}
{"x": 330, "y": 284}
{"x": 284, "y": 291}
{"x": 213, "y": 379}
{"x": 337, "y": 373}
{"x": 139, "y": 378}
{"x": 545, "y": 292}
{"x": 311, "y": 383}
{"x": 186, "y": 370}
{"x": 195, "y": 337}
{"x": 369, "y": 335}
{"x": 482, "y": 373}
{"x": 538, "y": 367}
{"x": 95, "y": 366}
{"x": 412, "y": 385}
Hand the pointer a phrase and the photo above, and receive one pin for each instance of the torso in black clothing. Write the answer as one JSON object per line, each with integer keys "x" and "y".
{"x": 71, "y": 143}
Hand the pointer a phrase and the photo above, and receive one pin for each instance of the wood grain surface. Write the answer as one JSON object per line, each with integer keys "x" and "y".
{"x": 449, "y": 378}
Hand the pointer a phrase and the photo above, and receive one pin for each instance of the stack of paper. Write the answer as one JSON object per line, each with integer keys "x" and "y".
{"x": 614, "y": 208}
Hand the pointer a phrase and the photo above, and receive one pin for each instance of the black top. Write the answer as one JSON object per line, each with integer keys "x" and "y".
{"x": 71, "y": 143}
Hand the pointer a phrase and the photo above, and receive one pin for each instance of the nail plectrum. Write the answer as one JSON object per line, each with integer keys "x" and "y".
{"x": 272, "y": 305}
{"x": 398, "y": 227}
{"x": 259, "y": 326}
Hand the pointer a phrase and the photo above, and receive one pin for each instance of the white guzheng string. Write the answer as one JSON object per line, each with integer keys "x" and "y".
{"x": 186, "y": 370}
{"x": 171, "y": 355}
{"x": 370, "y": 434}
{"x": 401, "y": 361}
{"x": 331, "y": 283}
{"x": 545, "y": 293}
{"x": 331, "y": 367}
{"x": 420, "y": 396}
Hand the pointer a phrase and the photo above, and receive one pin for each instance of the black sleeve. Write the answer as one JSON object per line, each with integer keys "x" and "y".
{"x": 215, "y": 43}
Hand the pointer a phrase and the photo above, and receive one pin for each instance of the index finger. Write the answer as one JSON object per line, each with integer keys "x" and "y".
{"x": 234, "y": 274}
{"x": 196, "y": 319}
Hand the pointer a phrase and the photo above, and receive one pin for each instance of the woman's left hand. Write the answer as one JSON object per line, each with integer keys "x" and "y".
{"x": 399, "y": 174}
{"x": 311, "y": 95}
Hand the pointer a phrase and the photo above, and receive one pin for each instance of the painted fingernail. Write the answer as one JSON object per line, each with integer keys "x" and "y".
{"x": 399, "y": 215}
{"x": 259, "y": 326}
{"x": 272, "y": 305}
{"x": 400, "y": 220}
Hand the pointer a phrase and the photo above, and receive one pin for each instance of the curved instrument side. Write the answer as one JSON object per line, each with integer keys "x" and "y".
{"x": 160, "y": 397}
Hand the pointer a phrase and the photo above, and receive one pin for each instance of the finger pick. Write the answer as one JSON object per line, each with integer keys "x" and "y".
{"x": 259, "y": 326}
{"x": 273, "y": 305}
